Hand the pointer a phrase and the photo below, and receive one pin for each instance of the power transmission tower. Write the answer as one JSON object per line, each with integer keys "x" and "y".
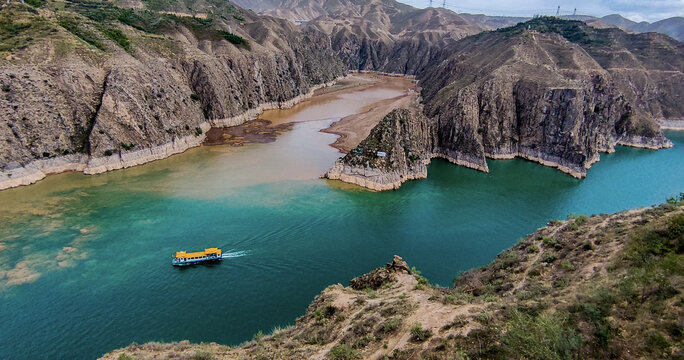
{"x": 558, "y": 11}
{"x": 574, "y": 12}
{"x": 430, "y": 3}
{"x": 444, "y": 3}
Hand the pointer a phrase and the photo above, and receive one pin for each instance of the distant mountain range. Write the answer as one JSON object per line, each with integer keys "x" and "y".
{"x": 304, "y": 10}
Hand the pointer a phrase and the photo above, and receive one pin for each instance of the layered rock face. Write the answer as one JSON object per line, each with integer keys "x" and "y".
{"x": 397, "y": 150}
{"x": 95, "y": 109}
{"x": 530, "y": 92}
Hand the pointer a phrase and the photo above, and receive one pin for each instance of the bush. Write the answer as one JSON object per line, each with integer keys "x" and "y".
{"x": 234, "y": 39}
{"x": 108, "y": 152}
{"x": 549, "y": 241}
{"x": 202, "y": 355}
{"x": 35, "y": 3}
{"x": 198, "y": 131}
{"x": 127, "y": 146}
{"x": 390, "y": 325}
{"x": 546, "y": 336}
{"x": 324, "y": 313}
{"x": 419, "y": 334}
{"x": 118, "y": 37}
{"x": 362, "y": 342}
{"x": 567, "y": 265}
{"x": 343, "y": 352}
{"x": 549, "y": 256}
{"x": 125, "y": 356}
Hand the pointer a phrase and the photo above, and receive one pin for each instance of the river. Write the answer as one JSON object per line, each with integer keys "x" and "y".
{"x": 85, "y": 260}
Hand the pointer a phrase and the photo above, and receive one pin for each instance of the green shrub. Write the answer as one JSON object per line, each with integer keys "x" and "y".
{"x": 419, "y": 334}
{"x": 549, "y": 256}
{"x": 549, "y": 241}
{"x": 202, "y": 355}
{"x": 109, "y": 152}
{"x": 234, "y": 39}
{"x": 118, "y": 37}
{"x": 547, "y": 336}
{"x": 343, "y": 352}
{"x": 326, "y": 312}
{"x": 125, "y": 356}
{"x": 127, "y": 146}
{"x": 35, "y": 3}
{"x": 567, "y": 265}
{"x": 390, "y": 325}
{"x": 491, "y": 298}
{"x": 362, "y": 342}
{"x": 198, "y": 131}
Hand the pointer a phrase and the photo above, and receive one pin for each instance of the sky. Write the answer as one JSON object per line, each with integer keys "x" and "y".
{"x": 636, "y": 10}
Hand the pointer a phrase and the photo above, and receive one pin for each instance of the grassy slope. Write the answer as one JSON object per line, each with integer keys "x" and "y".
{"x": 589, "y": 287}
{"x": 100, "y": 25}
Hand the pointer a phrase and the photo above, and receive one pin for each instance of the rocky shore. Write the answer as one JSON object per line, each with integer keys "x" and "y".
{"x": 673, "y": 124}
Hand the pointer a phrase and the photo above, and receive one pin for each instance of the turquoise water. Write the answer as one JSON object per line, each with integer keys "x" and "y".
{"x": 85, "y": 260}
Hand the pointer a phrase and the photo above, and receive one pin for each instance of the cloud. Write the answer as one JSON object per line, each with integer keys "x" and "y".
{"x": 637, "y": 10}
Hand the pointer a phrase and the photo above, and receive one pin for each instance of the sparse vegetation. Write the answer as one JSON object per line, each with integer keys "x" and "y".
{"x": 202, "y": 355}
{"x": 546, "y": 336}
{"x": 75, "y": 27}
{"x": 343, "y": 352}
{"x": 20, "y": 26}
{"x": 419, "y": 334}
{"x": 118, "y": 37}
{"x": 390, "y": 325}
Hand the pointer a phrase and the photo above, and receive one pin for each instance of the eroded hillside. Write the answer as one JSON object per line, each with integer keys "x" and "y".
{"x": 87, "y": 85}
{"x": 549, "y": 90}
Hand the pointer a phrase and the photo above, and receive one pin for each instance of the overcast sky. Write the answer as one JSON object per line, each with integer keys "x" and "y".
{"x": 637, "y": 10}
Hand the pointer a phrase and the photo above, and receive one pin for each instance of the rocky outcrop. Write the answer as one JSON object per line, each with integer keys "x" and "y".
{"x": 381, "y": 276}
{"x": 397, "y": 150}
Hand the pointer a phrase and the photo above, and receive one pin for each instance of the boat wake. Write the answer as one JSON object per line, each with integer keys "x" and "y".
{"x": 234, "y": 254}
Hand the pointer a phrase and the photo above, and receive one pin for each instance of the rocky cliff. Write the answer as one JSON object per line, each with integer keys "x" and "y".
{"x": 94, "y": 87}
{"x": 394, "y": 152}
{"x": 555, "y": 92}
{"x": 599, "y": 287}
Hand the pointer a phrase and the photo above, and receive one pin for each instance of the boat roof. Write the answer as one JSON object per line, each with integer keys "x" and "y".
{"x": 207, "y": 251}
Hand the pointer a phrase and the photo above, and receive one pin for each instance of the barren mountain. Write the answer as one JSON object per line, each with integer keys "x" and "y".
{"x": 673, "y": 26}
{"x": 94, "y": 87}
{"x": 553, "y": 91}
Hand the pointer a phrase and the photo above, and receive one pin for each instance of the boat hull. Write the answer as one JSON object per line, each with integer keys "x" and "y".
{"x": 195, "y": 262}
